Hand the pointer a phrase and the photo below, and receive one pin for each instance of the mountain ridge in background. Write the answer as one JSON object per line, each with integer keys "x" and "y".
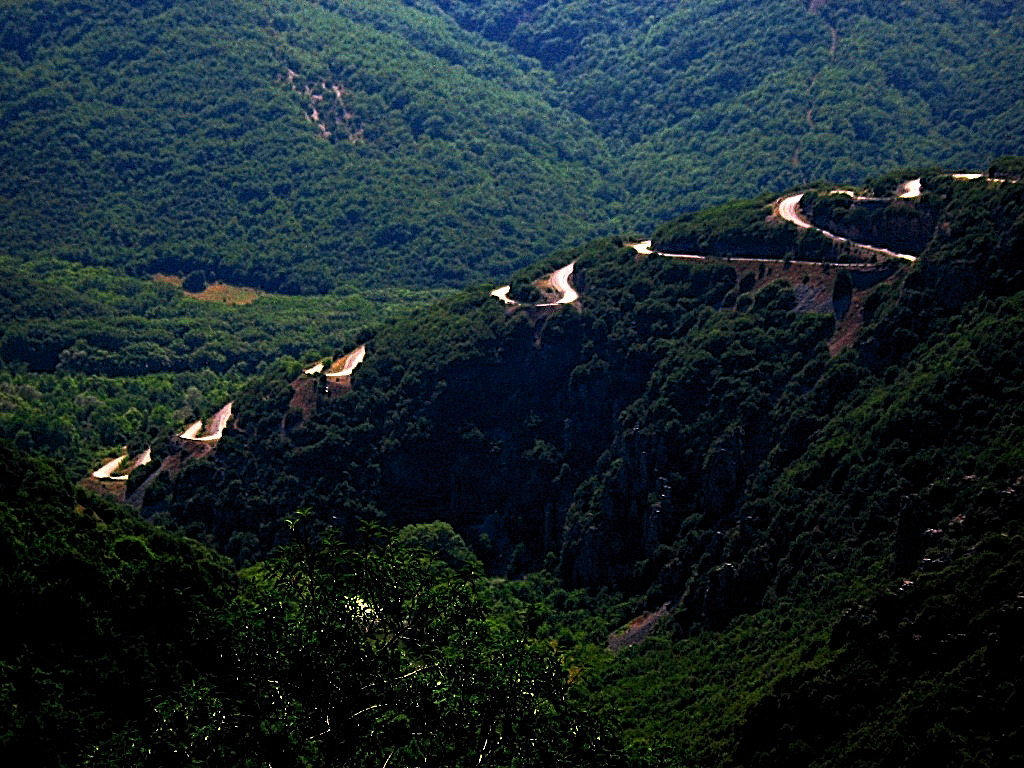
{"x": 295, "y": 147}
{"x": 729, "y": 532}
{"x": 756, "y": 504}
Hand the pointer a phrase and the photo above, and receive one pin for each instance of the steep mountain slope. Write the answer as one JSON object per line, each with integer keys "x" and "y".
{"x": 928, "y": 669}
{"x": 305, "y": 144}
{"x": 717, "y": 99}
{"x": 291, "y": 148}
{"x": 795, "y": 488}
{"x": 683, "y": 435}
{"x": 130, "y": 645}
{"x": 108, "y": 616}
{"x": 687, "y": 376}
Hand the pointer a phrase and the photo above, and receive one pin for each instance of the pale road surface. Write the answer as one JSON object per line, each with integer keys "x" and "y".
{"x": 644, "y": 249}
{"x": 909, "y": 189}
{"x": 989, "y": 179}
{"x": 106, "y": 472}
{"x": 218, "y": 421}
{"x": 314, "y": 370}
{"x": 352, "y": 361}
{"x": 502, "y": 294}
{"x": 789, "y": 210}
{"x": 560, "y": 282}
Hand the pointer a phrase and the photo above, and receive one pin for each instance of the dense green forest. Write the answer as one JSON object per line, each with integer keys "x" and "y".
{"x": 307, "y": 145}
{"x": 129, "y": 645}
{"x": 688, "y": 518}
{"x": 806, "y": 515}
{"x": 759, "y": 505}
{"x": 181, "y": 136}
{"x": 93, "y": 359}
{"x": 715, "y": 99}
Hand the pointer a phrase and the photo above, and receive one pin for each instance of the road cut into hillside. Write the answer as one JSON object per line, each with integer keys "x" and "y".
{"x": 789, "y": 210}
{"x": 560, "y": 284}
{"x": 643, "y": 248}
{"x": 348, "y": 364}
{"x": 502, "y": 295}
{"x": 909, "y": 189}
{"x": 106, "y": 472}
{"x": 218, "y": 421}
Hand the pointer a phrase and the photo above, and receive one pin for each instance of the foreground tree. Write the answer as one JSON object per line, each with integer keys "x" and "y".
{"x": 371, "y": 656}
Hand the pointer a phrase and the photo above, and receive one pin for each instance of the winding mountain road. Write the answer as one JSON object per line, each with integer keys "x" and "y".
{"x": 347, "y": 364}
{"x": 559, "y": 283}
{"x": 909, "y": 189}
{"x": 218, "y": 421}
{"x": 106, "y": 472}
{"x": 643, "y": 248}
{"x": 502, "y": 294}
{"x": 352, "y": 361}
{"x": 789, "y": 210}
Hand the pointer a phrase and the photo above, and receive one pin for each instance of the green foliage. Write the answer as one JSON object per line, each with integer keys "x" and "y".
{"x": 902, "y": 225}
{"x": 375, "y": 655}
{"x": 885, "y": 184}
{"x": 194, "y": 282}
{"x": 712, "y": 100}
{"x": 920, "y": 675}
{"x": 304, "y": 145}
{"x": 83, "y": 420}
{"x": 106, "y": 614}
{"x": 441, "y": 541}
{"x": 92, "y": 361}
{"x": 683, "y": 437}
{"x": 92, "y": 320}
{"x": 1010, "y": 167}
{"x": 833, "y": 533}
{"x": 741, "y": 229}
{"x": 432, "y": 431}
{"x": 130, "y": 645}
{"x": 182, "y": 138}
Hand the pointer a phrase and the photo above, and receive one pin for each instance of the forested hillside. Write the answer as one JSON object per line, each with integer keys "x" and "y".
{"x": 291, "y": 147}
{"x": 93, "y": 359}
{"x": 736, "y": 484}
{"x": 721, "y": 525}
{"x": 685, "y": 437}
{"x": 715, "y": 99}
{"x": 303, "y": 145}
{"x": 128, "y": 645}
